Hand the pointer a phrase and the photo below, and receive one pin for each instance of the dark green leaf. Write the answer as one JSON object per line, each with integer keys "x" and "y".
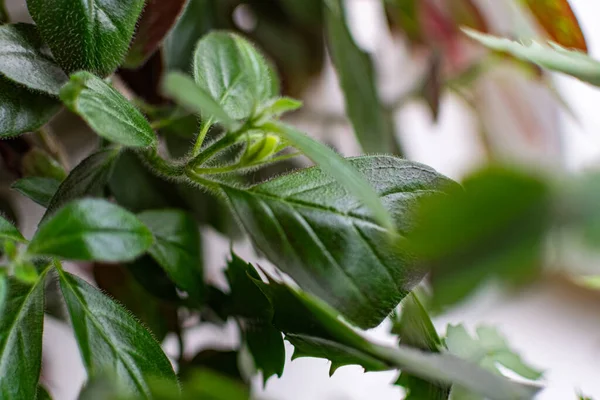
{"x": 42, "y": 394}
{"x": 116, "y": 281}
{"x": 550, "y": 56}
{"x": 337, "y": 167}
{"x": 40, "y": 190}
{"x": 247, "y": 300}
{"x": 3, "y": 13}
{"x": 91, "y": 35}
{"x": 9, "y": 232}
{"x": 372, "y": 124}
{"x": 265, "y": 344}
{"x": 466, "y": 244}
{"x": 107, "y": 111}
{"x": 177, "y": 248}
{"x": 157, "y": 19}
{"x": 23, "y": 61}
{"x": 87, "y": 179}
{"x": 184, "y": 91}
{"x": 22, "y": 110}
{"x": 92, "y": 229}
{"x": 233, "y": 72}
{"x": 314, "y": 230}
{"x": 414, "y": 328}
{"x": 211, "y": 385}
{"x": 153, "y": 278}
{"x": 224, "y": 362}
{"x": 38, "y": 163}
{"x": 21, "y": 325}
{"x": 198, "y": 18}
{"x": 110, "y": 339}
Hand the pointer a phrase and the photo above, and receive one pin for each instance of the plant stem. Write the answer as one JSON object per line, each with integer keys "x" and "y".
{"x": 228, "y": 140}
{"x": 53, "y": 146}
{"x": 205, "y": 127}
{"x": 163, "y": 167}
{"x": 208, "y": 184}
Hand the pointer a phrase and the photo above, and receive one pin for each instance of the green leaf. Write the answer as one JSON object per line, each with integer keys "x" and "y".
{"x": 198, "y": 18}
{"x": 185, "y": 92}
{"x": 414, "y": 328}
{"x": 21, "y": 325}
{"x": 110, "y": 339}
{"x": 39, "y": 163}
{"x": 87, "y": 179}
{"x": 91, "y": 35}
{"x": 42, "y": 394}
{"x": 3, "y": 13}
{"x": 488, "y": 349}
{"x": 313, "y": 229}
{"x": 372, "y": 124}
{"x": 336, "y": 166}
{"x": 265, "y": 344}
{"x": 40, "y": 190}
{"x": 233, "y": 72}
{"x": 22, "y": 110}
{"x": 23, "y": 60}
{"x": 177, "y": 248}
{"x": 278, "y": 106}
{"x": 550, "y": 56}
{"x": 92, "y": 230}
{"x": 9, "y": 232}
{"x": 107, "y": 111}
{"x": 466, "y": 245}
{"x": 157, "y": 19}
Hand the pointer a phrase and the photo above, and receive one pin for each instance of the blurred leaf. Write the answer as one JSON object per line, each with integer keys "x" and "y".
{"x": 199, "y": 17}
{"x": 432, "y": 90}
{"x": 40, "y": 190}
{"x": 38, "y": 163}
{"x": 278, "y": 106}
{"x": 558, "y": 20}
{"x": 177, "y": 248}
{"x": 157, "y": 19}
{"x": 153, "y": 279}
{"x": 95, "y": 36}
{"x": 9, "y": 232}
{"x": 223, "y": 361}
{"x": 107, "y": 111}
{"x": 21, "y": 325}
{"x": 3, "y": 13}
{"x": 466, "y": 13}
{"x": 414, "y": 328}
{"x": 265, "y": 344}
{"x": 488, "y": 349}
{"x": 314, "y": 229}
{"x": 110, "y": 339}
{"x": 233, "y": 73}
{"x": 89, "y": 178}
{"x": 494, "y": 228}
{"x": 91, "y": 230}
{"x": 117, "y": 281}
{"x": 372, "y": 124}
{"x": 208, "y": 384}
{"x": 552, "y": 56}
{"x": 22, "y": 110}
{"x": 42, "y": 394}
{"x": 405, "y": 14}
{"x": 24, "y": 61}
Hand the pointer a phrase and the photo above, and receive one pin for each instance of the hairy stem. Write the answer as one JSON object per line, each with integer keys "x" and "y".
{"x": 205, "y": 127}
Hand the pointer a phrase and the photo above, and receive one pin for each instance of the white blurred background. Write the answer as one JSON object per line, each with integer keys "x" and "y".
{"x": 555, "y": 325}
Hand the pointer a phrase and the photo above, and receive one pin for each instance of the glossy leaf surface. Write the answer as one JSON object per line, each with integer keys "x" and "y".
{"x": 177, "y": 248}
{"x": 110, "y": 339}
{"x": 23, "y": 60}
{"x": 94, "y": 230}
{"x": 21, "y": 324}
{"x": 107, "y": 111}
{"x": 314, "y": 230}
{"x": 91, "y": 35}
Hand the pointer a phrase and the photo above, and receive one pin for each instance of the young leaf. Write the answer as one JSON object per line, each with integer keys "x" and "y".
{"x": 233, "y": 72}
{"x": 552, "y": 57}
{"x": 21, "y": 325}
{"x": 23, "y": 61}
{"x": 91, "y": 230}
{"x": 465, "y": 244}
{"x": 278, "y": 106}
{"x": 9, "y": 232}
{"x": 372, "y": 124}
{"x": 107, "y": 111}
{"x": 22, "y": 110}
{"x": 87, "y": 179}
{"x": 177, "y": 248}
{"x": 315, "y": 230}
{"x": 40, "y": 190}
{"x": 184, "y": 91}
{"x": 110, "y": 339}
{"x": 157, "y": 19}
{"x": 91, "y": 35}
{"x": 558, "y": 19}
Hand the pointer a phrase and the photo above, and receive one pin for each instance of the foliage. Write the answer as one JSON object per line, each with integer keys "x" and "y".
{"x": 356, "y": 235}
